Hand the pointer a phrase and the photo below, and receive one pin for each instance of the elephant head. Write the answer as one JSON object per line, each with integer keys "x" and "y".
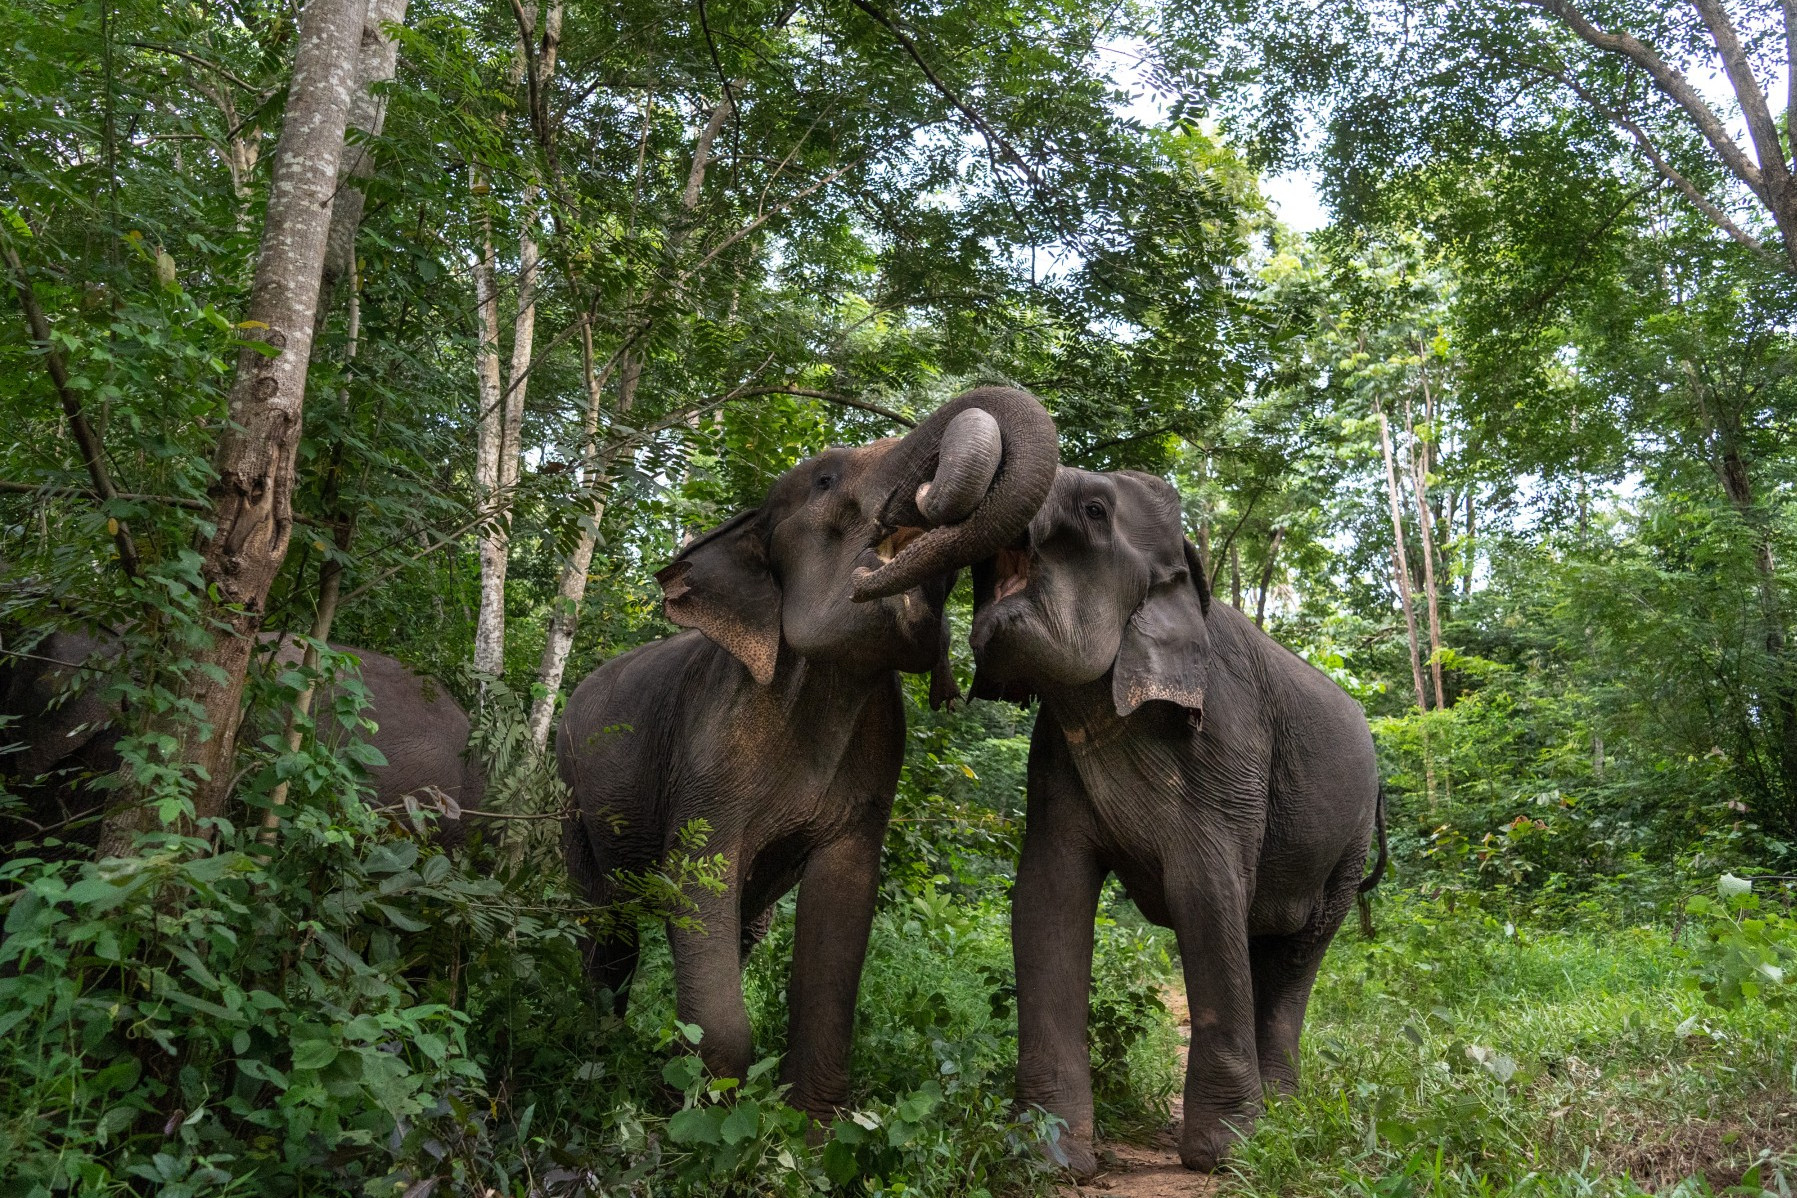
{"x": 1103, "y": 581}
{"x": 850, "y": 557}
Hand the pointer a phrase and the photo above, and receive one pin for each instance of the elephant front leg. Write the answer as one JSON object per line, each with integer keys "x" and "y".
{"x": 835, "y": 913}
{"x": 1053, "y": 907}
{"x": 1222, "y": 1088}
{"x": 708, "y": 986}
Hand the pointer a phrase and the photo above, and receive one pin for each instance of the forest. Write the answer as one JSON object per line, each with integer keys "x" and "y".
{"x": 375, "y": 371}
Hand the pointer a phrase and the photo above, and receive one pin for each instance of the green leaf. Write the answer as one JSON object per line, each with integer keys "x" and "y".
{"x": 313, "y": 1054}
{"x": 742, "y": 1123}
{"x": 682, "y": 1071}
{"x": 840, "y": 1165}
{"x": 697, "y": 1125}
{"x": 400, "y": 919}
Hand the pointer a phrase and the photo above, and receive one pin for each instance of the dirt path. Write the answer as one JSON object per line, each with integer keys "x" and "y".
{"x": 1150, "y": 1170}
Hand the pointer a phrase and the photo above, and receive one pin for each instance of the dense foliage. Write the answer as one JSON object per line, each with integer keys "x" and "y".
{"x": 1505, "y": 450}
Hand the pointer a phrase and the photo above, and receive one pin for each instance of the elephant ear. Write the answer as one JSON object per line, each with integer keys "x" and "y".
{"x": 1165, "y": 649}
{"x": 721, "y": 584}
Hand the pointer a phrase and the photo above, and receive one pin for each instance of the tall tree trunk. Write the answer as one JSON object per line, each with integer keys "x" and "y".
{"x": 255, "y": 458}
{"x": 1470, "y": 536}
{"x": 564, "y": 617}
{"x": 501, "y": 431}
{"x": 489, "y": 628}
{"x": 502, "y": 408}
{"x": 597, "y": 460}
{"x": 330, "y": 573}
{"x": 1266, "y": 577}
{"x": 1735, "y": 475}
{"x": 377, "y": 63}
{"x": 1400, "y": 563}
{"x": 1425, "y": 525}
{"x": 1235, "y": 575}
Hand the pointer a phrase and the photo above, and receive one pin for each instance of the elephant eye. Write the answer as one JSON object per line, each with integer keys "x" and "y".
{"x": 825, "y": 481}
{"x": 1095, "y": 510}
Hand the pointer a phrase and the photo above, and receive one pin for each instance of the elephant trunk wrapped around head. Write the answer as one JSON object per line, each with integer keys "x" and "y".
{"x": 850, "y": 557}
{"x": 971, "y": 476}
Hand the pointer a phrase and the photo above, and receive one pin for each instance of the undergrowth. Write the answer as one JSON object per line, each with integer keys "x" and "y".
{"x": 1459, "y": 1053}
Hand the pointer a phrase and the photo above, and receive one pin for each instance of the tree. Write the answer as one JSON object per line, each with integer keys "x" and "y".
{"x": 257, "y": 450}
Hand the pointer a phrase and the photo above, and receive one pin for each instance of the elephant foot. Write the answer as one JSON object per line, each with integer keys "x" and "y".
{"x": 1206, "y": 1140}
{"x": 1074, "y": 1154}
{"x": 1280, "y": 1082}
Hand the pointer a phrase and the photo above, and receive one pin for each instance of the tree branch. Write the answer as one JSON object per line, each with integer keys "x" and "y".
{"x": 761, "y": 220}
{"x": 227, "y": 76}
{"x": 835, "y": 397}
{"x": 994, "y": 140}
{"x": 180, "y": 501}
{"x": 1669, "y": 172}
{"x": 1668, "y": 79}
{"x": 85, "y": 438}
{"x": 1790, "y": 16}
{"x": 1760, "y": 125}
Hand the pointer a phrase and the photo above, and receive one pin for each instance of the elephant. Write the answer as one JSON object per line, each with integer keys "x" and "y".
{"x": 67, "y": 735}
{"x": 1229, "y": 785}
{"x": 776, "y": 718}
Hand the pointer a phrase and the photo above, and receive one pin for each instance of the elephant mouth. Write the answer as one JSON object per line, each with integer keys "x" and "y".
{"x": 1011, "y": 573}
{"x": 889, "y": 548}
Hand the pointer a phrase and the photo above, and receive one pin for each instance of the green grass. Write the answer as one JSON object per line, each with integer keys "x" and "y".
{"x": 1458, "y": 1054}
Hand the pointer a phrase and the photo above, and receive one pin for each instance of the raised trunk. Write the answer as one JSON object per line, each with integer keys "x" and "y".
{"x": 254, "y": 462}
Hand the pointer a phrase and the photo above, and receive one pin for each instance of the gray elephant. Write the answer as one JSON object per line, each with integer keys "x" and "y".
{"x": 67, "y": 735}
{"x": 778, "y": 720}
{"x": 1230, "y": 786}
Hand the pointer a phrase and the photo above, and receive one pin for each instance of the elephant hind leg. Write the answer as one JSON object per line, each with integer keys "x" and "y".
{"x": 610, "y": 957}
{"x": 611, "y": 966}
{"x": 756, "y": 930}
{"x": 1285, "y": 969}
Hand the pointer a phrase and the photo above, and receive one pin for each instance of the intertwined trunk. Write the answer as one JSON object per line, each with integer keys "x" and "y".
{"x": 253, "y": 492}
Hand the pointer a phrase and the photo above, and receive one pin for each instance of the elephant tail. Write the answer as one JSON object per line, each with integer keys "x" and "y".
{"x": 1372, "y": 879}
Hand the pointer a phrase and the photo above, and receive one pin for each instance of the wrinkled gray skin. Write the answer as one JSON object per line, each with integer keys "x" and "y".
{"x": 778, "y": 719}
{"x": 68, "y": 735}
{"x": 1229, "y": 785}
